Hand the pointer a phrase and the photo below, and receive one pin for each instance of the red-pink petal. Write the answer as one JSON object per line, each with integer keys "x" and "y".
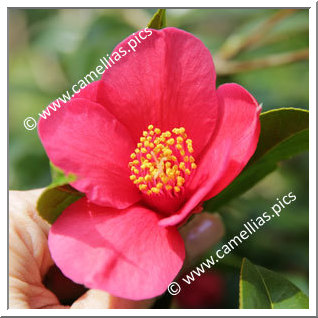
{"x": 216, "y": 161}
{"x": 240, "y": 124}
{"x": 123, "y": 252}
{"x": 234, "y": 144}
{"x": 89, "y": 92}
{"x": 168, "y": 82}
{"x": 85, "y": 139}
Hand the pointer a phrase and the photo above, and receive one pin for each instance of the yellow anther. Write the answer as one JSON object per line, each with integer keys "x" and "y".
{"x": 151, "y": 133}
{"x": 146, "y": 143}
{"x": 137, "y": 150}
{"x": 148, "y": 177}
{"x": 175, "y": 167}
{"x": 149, "y": 156}
{"x": 157, "y": 131}
{"x": 142, "y": 139}
{"x": 136, "y": 171}
{"x": 182, "y": 165}
{"x": 168, "y": 164}
{"x": 182, "y": 152}
{"x": 187, "y": 171}
{"x": 165, "y": 179}
{"x": 159, "y": 185}
{"x": 182, "y": 130}
{"x": 135, "y": 162}
{"x": 176, "y": 189}
{"x": 155, "y": 190}
{"x": 179, "y": 140}
{"x": 142, "y": 187}
{"x": 133, "y": 156}
{"x": 151, "y": 145}
{"x": 180, "y": 181}
{"x": 174, "y": 158}
{"x": 167, "y": 152}
{"x": 191, "y": 159}
{"x": 143, "y": 150}
{"x": 150, "y": 127}
{"x": 185, "y": 158}
{"x": 132, "y": 177}
{"x": 139, "y": 145}
{"x": 145, "y": 133}
{"x": 166, "y": 134}
{"x": 139, "y": 180}
{"x": 170, "y": 141}
{"x": 189, "y": 142}
{"x": 193, "y": 165}
{"x": 179, "y": 147}
{"x": 168, "y": 187}
{"x": 169, "y": 171}
{"x": 149, "y": 138}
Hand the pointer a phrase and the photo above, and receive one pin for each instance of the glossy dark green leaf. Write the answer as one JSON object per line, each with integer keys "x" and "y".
{"x": 158, "y": 21}
{"x": 58, "y": 195}
{"x": 261, "y": 288}
{"x": 284, "y": 133}
{"x": 54, "y": 201}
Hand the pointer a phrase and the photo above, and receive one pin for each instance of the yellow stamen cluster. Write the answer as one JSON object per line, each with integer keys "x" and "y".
{"x": 162, "y": 161}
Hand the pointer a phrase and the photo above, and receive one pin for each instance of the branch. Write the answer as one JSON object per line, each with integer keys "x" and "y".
{"x": 224, "y": 67}
{"x": 236, "y": 43}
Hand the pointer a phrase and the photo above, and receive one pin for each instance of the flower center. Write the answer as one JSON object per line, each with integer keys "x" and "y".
{"x": 162, "y": 161}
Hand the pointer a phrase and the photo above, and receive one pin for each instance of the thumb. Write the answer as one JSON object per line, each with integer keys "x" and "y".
{"x": 200, "y": 234}
{"x": 97, "y": 299}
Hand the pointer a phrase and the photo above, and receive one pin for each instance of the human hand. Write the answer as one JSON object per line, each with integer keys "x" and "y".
{"x": 30, "y": 259}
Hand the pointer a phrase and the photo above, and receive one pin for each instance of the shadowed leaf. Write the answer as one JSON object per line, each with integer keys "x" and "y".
{"x": 261, "y": 288}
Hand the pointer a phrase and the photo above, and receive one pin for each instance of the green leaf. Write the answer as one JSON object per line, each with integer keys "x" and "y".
{"x": 59, "y": 177}
{"x": 261, "y": 288}
{"x": 58, "y": 195}
{"x": 158, "y": 21}
{"x": 284, "y": 133}
{"x": 54, "y": 201}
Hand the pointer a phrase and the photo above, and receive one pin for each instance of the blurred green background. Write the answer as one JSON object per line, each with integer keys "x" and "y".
{"x": 264, "y": 50}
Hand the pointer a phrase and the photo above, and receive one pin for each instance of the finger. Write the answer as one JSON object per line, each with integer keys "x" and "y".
{"x": 200, "y": 234}
{"x": 97, "y": 299}
{"x": 28, "y": 250}
{"x": 29, "y": 257}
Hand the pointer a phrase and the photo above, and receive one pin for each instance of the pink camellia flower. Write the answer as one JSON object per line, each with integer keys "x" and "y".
{"x": 149, "y": 143}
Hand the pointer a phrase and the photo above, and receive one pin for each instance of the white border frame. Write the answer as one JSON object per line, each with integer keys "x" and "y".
{"x": 312, "y": 164}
